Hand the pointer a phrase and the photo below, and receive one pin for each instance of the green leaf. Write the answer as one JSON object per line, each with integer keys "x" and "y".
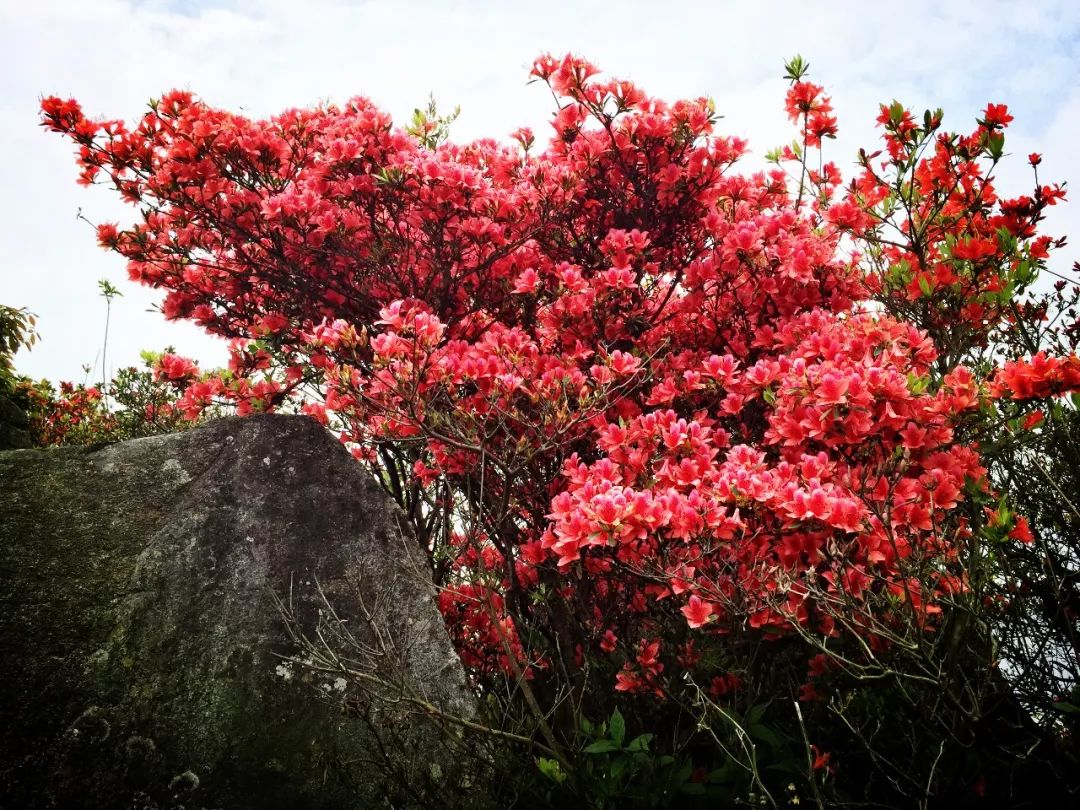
{"x": 753, "y": 717}
{"x": 896, "y": 112}
{"x": 916, "y": 384}
{"x": 684, "y": 773}
{"x": 618, "y": 728}
{"x": 618, "y": 767}
{"x": 1025, "y": 273}
{"x": 551, "y": 769}
{"x": 640, "y": 743}
{"x": 1067, "y": 708}
{"x": 601, "y": 747}
{"x": 766, "y": 735}
{"x": 900, "y": 273}
{"x": 795, "y": 68}
{"x": 108, "y": 290}
{"x": 723, "y": 774}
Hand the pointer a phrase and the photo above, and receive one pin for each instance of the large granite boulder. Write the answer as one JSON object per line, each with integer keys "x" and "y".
{"x": 143, "y": 653}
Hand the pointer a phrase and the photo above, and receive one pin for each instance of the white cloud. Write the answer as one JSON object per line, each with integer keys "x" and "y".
{"x": 265, "y": 56}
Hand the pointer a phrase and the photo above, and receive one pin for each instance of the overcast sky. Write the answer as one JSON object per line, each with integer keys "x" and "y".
{"x": 261, "y": 57}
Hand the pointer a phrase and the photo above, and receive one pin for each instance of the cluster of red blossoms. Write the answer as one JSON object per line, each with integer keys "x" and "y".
{"x": 651, "y": 386}
{"x": 61, "y": 417}
{"x": 951, "y": 254}
{"x": 1037, "y": 378}
{"x": 807, "y": 104}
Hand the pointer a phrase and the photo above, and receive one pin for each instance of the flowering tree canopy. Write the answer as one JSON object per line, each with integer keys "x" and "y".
{"x": 640, "y": 408}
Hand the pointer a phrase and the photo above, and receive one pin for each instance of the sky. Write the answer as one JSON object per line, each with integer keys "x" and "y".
{"x": 262, "y": 57}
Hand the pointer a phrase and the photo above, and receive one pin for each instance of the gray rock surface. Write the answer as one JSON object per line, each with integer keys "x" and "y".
{"x": 14, "y": 424}
{"x": 140, "y": 642}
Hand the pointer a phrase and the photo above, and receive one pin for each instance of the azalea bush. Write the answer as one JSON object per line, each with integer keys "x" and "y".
{"x": 140, "y": 402}
{"x": 729, "y": 455}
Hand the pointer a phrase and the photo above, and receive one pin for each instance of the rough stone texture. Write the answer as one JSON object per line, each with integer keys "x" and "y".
{"x": 138, "y": 630}
{"x": 14, "y": 434}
